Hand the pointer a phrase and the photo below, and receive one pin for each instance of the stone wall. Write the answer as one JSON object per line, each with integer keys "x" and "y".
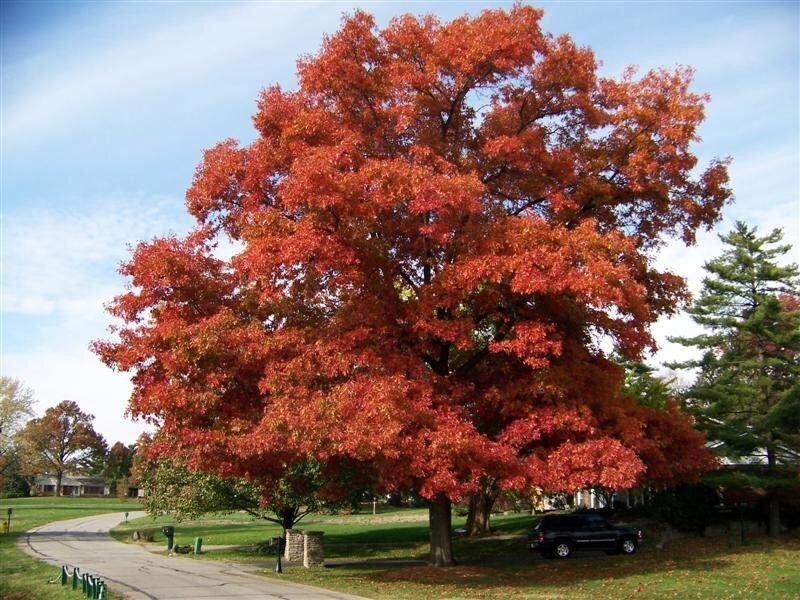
{"x": 313, "y": 555}
{"x": 294, "y": 545}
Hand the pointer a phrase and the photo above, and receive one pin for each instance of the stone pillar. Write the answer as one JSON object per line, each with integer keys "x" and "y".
{"x": 313, "y": 555}
{"x": 293, "y": 551}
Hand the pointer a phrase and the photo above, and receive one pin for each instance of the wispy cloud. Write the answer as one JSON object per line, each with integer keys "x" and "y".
{"x": 166, "y": 59}
{"x": 65, "y": 262}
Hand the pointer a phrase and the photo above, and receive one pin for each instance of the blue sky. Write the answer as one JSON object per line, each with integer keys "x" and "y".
{"x": 106, "y": 108}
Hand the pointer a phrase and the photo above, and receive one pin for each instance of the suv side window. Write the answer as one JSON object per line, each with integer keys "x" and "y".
{"x": 596, "y": 521}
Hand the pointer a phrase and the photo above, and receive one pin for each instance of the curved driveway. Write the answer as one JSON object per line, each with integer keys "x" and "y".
{"x": 138, "y": 574}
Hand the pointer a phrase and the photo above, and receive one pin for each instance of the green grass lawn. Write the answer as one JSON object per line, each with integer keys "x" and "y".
{"x": 24, "y": 578}
{"x": 374, "y": 556}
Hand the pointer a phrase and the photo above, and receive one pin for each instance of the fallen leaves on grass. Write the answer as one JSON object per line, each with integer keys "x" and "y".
{"x": 434, "y": 575}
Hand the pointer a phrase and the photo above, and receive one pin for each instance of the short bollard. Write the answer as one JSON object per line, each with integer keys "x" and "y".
{"x": 64, "y": 575}
{"x": 75, "y": 578}
{"x": 198, "y": 545}
{"x": 84, "y": 583}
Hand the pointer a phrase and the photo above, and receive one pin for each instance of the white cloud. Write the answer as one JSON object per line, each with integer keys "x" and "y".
{"x": 739, "y": 43}
{"x": 75, "y": 374}
{"x": 65, "y": 262}
{"x": 59, "y": 268}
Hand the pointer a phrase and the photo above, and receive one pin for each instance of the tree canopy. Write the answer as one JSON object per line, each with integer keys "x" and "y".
{"x": 437, "y": 228}
{"x": 62, "y": 441}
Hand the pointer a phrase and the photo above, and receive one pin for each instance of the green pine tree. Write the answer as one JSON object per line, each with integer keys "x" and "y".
{"x": 747, "y": 393}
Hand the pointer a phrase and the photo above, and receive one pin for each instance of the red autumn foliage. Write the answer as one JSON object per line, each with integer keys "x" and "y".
{"x": 436, "y": 230}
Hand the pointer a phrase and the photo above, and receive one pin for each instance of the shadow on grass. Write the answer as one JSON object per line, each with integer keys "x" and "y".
{"x": 507, "y": 564}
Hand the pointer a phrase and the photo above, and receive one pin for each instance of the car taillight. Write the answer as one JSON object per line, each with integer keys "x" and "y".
{"x": 640, "y": 534}
{"x": 541, "y": 536}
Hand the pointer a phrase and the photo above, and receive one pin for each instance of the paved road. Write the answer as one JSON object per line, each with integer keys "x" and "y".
{"x": 139, "y": 574}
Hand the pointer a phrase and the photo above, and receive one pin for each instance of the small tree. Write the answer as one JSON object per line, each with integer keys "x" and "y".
{"x": 747, "y": 393}
{"x": 170, "y": 487}
{"x": 16, "y": 406}
{"x": 118, "y": 464}
{"x": 61, "y": 441}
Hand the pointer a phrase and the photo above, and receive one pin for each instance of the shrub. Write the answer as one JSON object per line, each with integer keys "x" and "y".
{"x": 688, "y": 508}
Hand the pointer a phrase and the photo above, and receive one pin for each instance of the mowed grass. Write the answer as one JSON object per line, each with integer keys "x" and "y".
{"x": 382, "y": 557}
{"x": 24, "y": 578}
{"x": 691, "y": 568}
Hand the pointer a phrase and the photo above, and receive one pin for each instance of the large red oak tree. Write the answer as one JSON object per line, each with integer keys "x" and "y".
{"x": 438, "y": 230}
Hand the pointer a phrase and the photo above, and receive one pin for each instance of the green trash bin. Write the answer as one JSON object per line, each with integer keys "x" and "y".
{"x": 198, "y": 545}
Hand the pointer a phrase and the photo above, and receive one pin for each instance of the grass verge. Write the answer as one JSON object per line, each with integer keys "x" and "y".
{"x": 24, "y": 578}
{"x": 382, "y": 557}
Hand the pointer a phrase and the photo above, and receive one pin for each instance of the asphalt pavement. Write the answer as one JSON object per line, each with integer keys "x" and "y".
{"x": 138, "y": 574}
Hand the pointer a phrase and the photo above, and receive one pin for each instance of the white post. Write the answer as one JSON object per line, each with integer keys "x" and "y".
{"x": 374, "y": 505}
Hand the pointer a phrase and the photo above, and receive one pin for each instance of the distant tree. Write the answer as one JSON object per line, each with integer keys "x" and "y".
{"x": 61, "y": 441}
{"x": 16, "y": 406}
{"x": 644, "y": 386}
{"x": 118, "y": 464}
{"x": 747, "y": 393}
{"x": 13, "y": 483}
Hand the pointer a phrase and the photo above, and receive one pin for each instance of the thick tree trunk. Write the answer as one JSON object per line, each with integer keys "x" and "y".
{"x": 774, "y": 515}
{"x": 59, "y": 475}
{"x": 774, "y": 501}
{"x": 480, "y": 510}
{"x": 472, "y": 508}
{"x": 440, "y": 519}
{"x": 288, "y": 516}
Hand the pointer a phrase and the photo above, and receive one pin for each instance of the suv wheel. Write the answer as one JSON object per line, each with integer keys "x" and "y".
{"x": 562, "y": 549}
{"x": 628, "y": 546}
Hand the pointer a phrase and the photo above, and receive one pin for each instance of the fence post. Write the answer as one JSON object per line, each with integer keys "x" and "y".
{"x": 64, "y": 575}
{"x": 75, "y": 578}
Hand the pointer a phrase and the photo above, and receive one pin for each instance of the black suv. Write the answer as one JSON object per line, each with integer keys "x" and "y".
{"x": 561, "y": 535}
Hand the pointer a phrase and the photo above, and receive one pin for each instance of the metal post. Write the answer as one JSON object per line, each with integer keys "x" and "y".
{"x": 278, "y": 568}
{"x": 8, "y": 521}
{"x": 64, "y": 575}
{"x": 75, "y": 578}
